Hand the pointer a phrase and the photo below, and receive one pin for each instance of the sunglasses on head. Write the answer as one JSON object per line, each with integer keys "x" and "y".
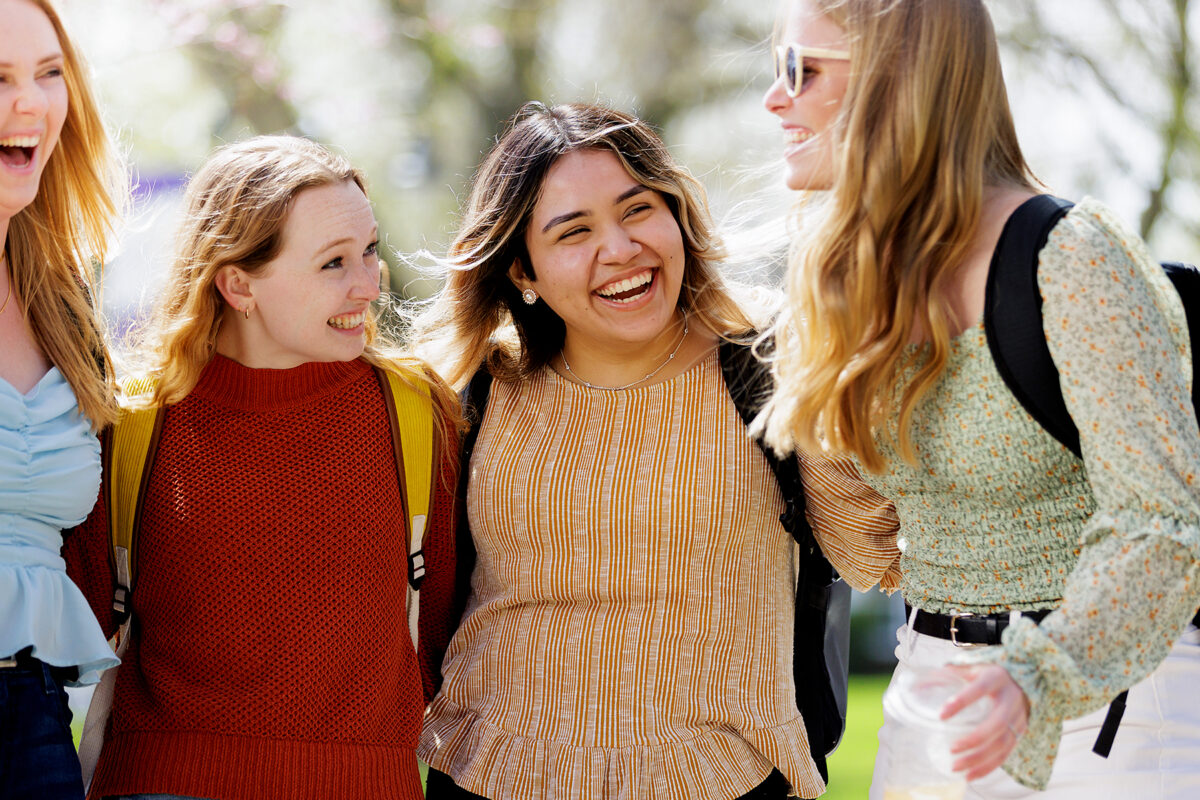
{"x": 789, "y": 62}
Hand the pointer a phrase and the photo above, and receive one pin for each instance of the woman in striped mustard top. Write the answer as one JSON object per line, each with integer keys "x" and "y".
{"x": 628, "y": 629}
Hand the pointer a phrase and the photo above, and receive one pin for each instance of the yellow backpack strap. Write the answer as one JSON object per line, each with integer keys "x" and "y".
{"x": 410, "y": 414}
{"x": 130, "y": 452}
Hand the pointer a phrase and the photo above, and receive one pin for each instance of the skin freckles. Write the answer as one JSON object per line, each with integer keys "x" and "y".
{"x": 309, "y": 302}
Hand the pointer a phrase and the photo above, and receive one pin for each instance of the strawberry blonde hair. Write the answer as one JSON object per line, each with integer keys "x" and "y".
{"x": 56, "y": 246}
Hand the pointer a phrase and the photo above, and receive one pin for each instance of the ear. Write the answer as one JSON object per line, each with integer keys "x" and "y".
{"x": 234, "y": 285}
{"x": 516, "y": 274}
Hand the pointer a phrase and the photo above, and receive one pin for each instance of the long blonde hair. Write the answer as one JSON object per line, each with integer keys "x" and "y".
{"x": 925, "y": 126}
{"x": 479, "y": 317}
{"x": 235, "y": 208}
{"x": 58, "y": 243}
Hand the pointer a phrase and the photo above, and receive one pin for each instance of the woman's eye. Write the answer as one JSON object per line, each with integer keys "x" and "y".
{"x": 335, "y": 264}
{"x": 808, "y": 76}
{"x": 573, "y": 232}
{"x": 53, "y": 72}
{"x": 639, "y": 208}
{"x": 372, "y": 249}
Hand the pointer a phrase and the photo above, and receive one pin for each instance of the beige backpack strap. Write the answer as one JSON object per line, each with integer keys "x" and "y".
{"x": 410, "y": 414}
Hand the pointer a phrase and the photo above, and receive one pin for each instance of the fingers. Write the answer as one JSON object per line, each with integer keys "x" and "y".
{"x": 985, "y": 680}
{"x": 987, "y": 745}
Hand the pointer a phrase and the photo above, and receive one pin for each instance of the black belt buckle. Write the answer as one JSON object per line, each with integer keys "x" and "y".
{"x": 955, "y": 616}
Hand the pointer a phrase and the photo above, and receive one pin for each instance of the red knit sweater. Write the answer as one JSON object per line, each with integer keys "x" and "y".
{"x": 270, "y": 655}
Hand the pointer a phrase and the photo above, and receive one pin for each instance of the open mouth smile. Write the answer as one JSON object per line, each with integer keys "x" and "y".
{"x": 348, "y": 322}
{"x": 797, "y": 135}
{"x": 628, "y": 289}
{"x": 16, "y": 152}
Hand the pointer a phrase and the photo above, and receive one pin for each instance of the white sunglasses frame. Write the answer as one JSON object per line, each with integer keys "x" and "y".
{"x": 794, "y": 88}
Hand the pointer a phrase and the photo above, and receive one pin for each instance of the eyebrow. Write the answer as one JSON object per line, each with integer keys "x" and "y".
{"x": 636, "y": 189}
{"x": 335, "y": 243}
{"x": 43, "y": 60}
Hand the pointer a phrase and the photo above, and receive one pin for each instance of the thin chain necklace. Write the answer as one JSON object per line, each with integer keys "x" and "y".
{"x": 642, "y": 379}
{"x": 8, "y": 294}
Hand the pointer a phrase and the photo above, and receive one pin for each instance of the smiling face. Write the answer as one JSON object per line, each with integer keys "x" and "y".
{"x": 607, "y": 252}
{"x": 310, "y": 302}
{"x": 809, "y": 117}
{"x": 33, "y": 101}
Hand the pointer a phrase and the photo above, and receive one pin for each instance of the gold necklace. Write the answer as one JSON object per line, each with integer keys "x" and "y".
{"x": 643, "y": 379}
{"x": 8, "y": 294}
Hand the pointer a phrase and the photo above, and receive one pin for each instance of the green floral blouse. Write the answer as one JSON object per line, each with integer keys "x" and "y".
{"x": 996, "y": 514}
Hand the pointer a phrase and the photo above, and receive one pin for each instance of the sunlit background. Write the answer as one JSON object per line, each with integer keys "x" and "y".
{"x": 414, "y": 92}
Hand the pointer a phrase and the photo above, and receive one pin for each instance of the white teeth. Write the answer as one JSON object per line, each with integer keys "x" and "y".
{"x": 349, "y": 321}
{"x": 641, "y": 279}
{"x": 20, "y": 141}
{"x": 797, "y": 136}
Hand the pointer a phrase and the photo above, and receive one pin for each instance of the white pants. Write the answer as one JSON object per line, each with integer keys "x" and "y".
{"x": 1155, "y": 756}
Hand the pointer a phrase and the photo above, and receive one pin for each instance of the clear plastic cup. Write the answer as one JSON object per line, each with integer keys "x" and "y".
{"x": 919, "y": 763}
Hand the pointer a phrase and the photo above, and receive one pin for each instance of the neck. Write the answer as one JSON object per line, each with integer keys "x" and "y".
{"x": 624, "y": 366}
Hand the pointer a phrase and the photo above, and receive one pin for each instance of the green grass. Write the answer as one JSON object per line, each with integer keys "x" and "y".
{"x": 851, "y": 765}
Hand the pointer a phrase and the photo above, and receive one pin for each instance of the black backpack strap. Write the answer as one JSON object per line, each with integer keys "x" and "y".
{"x": 1186, "y": 279}
{"x": 1012, "y": 317}
{"x": 749, "y": 382}
{"x": 474, "y": 400}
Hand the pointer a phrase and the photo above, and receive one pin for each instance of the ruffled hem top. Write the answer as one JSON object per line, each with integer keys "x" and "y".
{"x": 630, "y": 626}
{"x": 49, "y": 481}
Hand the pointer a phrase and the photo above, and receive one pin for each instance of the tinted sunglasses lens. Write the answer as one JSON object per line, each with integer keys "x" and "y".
{"x": 792, "y": 69}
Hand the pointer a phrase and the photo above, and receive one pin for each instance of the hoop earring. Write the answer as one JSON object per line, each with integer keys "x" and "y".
{"x": 246, "y": 312}
{"x": 529, "y": 296}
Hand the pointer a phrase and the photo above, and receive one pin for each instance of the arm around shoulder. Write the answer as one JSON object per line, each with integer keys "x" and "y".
{"x": 855, "y": 525}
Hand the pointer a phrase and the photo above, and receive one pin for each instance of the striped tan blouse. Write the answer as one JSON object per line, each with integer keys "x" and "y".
{"x": 629, "y": 631}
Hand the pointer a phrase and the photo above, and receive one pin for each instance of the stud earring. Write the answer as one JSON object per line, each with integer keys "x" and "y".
{"x": 529, "y": 296}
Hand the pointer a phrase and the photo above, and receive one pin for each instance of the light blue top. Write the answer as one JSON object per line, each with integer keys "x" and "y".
{"x": 49, "y": 480}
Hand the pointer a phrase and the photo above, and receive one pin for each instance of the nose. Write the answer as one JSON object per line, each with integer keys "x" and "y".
{"x": 617, "y": 246}
{"x": 31, "y": 99}
{"x": 366, "y": 281}
{"x": 776, "y": 99}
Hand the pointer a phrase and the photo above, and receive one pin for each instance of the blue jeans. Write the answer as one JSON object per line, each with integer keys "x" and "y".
{"x": 37, "y": 752}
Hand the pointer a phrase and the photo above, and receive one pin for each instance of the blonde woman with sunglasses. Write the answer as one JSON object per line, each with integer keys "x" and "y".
{"x": 1079, "y": 576}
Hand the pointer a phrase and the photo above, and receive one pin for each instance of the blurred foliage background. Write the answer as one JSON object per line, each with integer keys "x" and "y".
{"x": 414, "y": 91}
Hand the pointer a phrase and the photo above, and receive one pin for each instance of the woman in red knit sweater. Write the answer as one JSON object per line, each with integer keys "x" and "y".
{"x": 271, "y": 655}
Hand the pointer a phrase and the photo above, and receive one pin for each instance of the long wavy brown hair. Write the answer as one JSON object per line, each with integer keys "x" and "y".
{"x": 479, "y": 317}
{"x": 57, "y": 245}
{"x": 925, "y": 127}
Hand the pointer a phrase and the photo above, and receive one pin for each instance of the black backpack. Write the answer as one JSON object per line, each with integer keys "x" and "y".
{"x": 820, "y": 663}
{"x": 1012, "y": 320}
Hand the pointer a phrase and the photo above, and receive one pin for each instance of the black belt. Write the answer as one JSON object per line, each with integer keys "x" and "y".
{"x": 970, "y": 629}
{"x": 966, "y": 629}
{"x": 24, "y": 661}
